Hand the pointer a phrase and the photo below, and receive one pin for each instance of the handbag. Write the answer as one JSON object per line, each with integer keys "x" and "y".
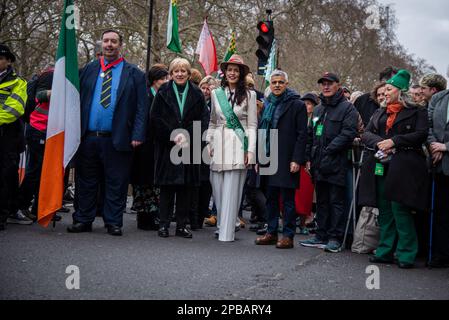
{"x": 367, "y": 233}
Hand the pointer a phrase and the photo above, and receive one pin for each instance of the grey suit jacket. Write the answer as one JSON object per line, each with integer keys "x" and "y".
{"x": 439, "y": 126}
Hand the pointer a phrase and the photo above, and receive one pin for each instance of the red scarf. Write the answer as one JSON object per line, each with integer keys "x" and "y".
{"x": 392, "y": 111}
{"x": 110, "y": 64}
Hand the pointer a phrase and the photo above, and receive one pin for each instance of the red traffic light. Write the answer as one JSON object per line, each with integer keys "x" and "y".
{"x": 264, "y": 27}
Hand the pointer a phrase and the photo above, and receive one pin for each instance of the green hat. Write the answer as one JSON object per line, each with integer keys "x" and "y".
{"x": 401, "y": 80}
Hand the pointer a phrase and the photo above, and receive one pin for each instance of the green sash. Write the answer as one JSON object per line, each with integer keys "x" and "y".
{"x": 232, "y": 121}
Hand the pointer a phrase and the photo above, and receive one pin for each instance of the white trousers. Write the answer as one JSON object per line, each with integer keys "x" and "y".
{"x": 227, "y": 189}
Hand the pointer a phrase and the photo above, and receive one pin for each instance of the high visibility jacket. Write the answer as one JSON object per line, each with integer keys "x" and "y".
{"x": 13, "y": 97}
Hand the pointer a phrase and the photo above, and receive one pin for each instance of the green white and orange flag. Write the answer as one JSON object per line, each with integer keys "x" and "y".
{"x": 231, "y": 48}
{"x": 63, "y": 130}
{"x": 173, "y": 42}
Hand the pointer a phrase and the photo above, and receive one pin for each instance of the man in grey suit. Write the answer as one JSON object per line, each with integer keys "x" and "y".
{"x": 439, "y": 146}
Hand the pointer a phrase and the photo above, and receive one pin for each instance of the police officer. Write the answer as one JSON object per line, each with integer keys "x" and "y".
{"x": 13, "y": 96}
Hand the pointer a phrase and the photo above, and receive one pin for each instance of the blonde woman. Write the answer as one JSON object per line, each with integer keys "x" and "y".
{"x": 232, "y": 143}
{"x": 177, "y": 104}
{"x": 394, "y": 176}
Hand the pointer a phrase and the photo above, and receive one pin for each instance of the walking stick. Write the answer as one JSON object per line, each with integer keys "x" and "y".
{"x": 354, "y": 189}
{"x": 352, "y": 209}
{"x": 432, "y": 211}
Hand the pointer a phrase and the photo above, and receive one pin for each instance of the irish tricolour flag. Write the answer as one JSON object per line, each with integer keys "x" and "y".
{"x": 173, "y": 42}
{"x": 63, "y": 130}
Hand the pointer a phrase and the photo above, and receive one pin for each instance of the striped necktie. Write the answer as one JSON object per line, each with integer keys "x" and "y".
{"x": 105, "y": 99}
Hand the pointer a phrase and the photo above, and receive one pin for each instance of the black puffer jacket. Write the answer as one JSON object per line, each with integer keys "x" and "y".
{"x": 328, "y": 152}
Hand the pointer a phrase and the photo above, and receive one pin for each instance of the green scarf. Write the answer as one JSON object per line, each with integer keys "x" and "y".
{"x": 182, "y": 103}
{"x": 267, "y": 118}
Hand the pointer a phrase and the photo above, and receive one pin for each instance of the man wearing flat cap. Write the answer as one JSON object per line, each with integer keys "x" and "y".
{"x": 13, "y": 96}
{"x": 331, "y": 133}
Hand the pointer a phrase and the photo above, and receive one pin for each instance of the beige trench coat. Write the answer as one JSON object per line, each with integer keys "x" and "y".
{"x": 227, "y": 149}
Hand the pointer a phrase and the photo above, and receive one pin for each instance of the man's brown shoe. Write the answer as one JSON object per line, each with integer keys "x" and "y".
{"x": 285, "y": 243}
{"x": 267, "y": 240}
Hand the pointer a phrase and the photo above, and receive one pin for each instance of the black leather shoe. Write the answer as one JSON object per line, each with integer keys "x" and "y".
{"x": 375, "y": 259}
{"x": 115, "y": 231}
{"x": 163, "y": 232}
{"x": 184, "y": 232}
{"x": 405, "y": 265}
{"x": 78, "y": 227}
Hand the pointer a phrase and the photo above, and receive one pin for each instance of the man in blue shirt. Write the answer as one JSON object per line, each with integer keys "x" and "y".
{"x": 114, "y": 111}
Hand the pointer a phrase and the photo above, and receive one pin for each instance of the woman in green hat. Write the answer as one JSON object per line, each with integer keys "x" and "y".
{"x": 394, "y": 176}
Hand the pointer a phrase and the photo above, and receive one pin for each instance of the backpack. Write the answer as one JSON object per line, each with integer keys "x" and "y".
{"x": 366, "y": 237}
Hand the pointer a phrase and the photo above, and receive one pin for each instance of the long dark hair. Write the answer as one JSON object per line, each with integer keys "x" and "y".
{"x": 241, "y": 92}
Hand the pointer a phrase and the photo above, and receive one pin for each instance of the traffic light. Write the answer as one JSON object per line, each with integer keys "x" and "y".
{"x": 265, "y": 41}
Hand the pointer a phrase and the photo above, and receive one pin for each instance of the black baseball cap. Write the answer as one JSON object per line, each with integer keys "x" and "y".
{"x": 329, "y": 77}
{"x": 5, "y": 52}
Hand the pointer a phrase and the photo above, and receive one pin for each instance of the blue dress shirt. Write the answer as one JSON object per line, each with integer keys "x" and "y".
{"x": 100, "y": 119}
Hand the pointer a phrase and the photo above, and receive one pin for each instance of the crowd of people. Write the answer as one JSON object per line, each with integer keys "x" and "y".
{"x": 134, "y": 126}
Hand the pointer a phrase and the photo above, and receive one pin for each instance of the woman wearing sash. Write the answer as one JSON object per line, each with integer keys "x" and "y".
{"x": 232, "y": 143}
{"x": 177, "y": 105}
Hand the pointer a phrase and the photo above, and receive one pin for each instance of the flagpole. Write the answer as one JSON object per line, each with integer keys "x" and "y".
{"x": 150, "y": 28}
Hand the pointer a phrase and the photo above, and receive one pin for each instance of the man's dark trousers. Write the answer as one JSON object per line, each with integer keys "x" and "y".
{"x": 289, "y": 218}
{"x": 441, "y": 218}
{"x": 9, "y": 175}
{"x": 330, "y": 211}
{"x": 97, "y": 159}
{"x": 29, "y": 188}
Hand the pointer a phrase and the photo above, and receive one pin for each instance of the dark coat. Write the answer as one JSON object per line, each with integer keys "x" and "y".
{"x": 292, "y": 141}
{"x": 328, "y": 153}
{"x": 165, "y": 117}
{"x": 131, "y": 112}
{"x": 205, "y": 168}
{"x": 366, "y": 106}
{"x": 406, "y": 175}
{"x": 439, "y": 126}
{"x": 142, "y": 171}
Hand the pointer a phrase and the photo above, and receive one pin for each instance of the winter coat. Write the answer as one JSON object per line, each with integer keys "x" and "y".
{"x": 439, "y": 126}
{"x": 228, "y": 152}
{"x": 328, "y": 153}
{"x": 406, "y": 174}
{"x": 165, "y": 117}
{"x": 205, "y": 168}
{"x": 366, "y": 106}
{"x": 142, "y": 171}
{"x": 292, "y": 141}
